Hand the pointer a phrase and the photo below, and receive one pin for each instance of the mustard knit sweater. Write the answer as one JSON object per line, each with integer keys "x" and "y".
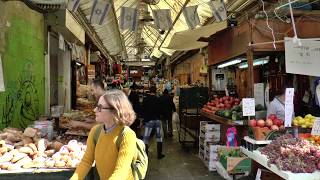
{"x": 111, "y": 163}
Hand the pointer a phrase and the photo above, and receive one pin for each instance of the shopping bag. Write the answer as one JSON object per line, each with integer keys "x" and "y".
{"x": 175, "y": 117}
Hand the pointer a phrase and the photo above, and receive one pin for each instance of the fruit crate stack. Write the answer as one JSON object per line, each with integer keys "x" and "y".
{"x": 208, "y": 143}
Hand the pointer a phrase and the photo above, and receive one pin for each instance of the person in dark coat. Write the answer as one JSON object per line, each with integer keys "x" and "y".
{"x": 167, "y": 107}
{"x": 151, "y": 114}
{"x": 134, "y": 99}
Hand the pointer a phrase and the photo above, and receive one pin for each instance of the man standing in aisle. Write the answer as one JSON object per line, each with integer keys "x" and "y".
{"x": 151, "y": 114}
{"x": 97, "y": 88}
{"x": 167, "y": 107}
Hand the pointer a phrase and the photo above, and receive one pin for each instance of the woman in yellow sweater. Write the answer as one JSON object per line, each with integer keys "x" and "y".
{"x": 114, "y": 111}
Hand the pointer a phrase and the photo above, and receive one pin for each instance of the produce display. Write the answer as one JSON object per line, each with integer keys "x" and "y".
{"x": 293, "y": 154}
{"x": 272, "y": 123}
{"x": 306, "y": 122}
{"x": 27, "y": 150}
{"x": 224, "y": 103}
{"x": 311, "y": 138}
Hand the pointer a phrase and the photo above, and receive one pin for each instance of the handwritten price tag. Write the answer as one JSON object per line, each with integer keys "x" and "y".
{"x": 248, "y": 107}
{"x": 316, "y": 127}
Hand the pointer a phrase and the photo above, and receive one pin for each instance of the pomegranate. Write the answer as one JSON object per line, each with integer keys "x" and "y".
{"x": 252, "y": 123}
{"x": 272, "y": 117}
{"x": 261, "y": 123}
{"x": 274, "y": 127}
{"x": 269, "y": 122}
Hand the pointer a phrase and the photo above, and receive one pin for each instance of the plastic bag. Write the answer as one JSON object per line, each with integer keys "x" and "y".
{"x": 175, "y": 117}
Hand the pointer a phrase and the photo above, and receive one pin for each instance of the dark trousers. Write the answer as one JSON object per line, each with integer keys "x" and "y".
{"x": 167, "y": 126}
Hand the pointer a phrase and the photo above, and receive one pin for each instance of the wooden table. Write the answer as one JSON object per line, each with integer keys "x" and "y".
{"x": 225, "y": 124}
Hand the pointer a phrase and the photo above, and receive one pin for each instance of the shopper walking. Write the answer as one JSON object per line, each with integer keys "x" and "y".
{"x": 113, "y": 163}
{"x": 97, "y": 88}
{"x": 151, "y": 109}
{"x": 167, "y": 107}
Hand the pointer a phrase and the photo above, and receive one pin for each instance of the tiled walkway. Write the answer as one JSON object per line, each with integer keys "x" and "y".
{"x": 179, "y": 163}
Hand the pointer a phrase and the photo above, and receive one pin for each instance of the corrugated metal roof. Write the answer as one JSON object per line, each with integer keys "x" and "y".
{"x": 146, "y": 41}
{"x": 108, "y": 31}
{"x": 150, "y": 35}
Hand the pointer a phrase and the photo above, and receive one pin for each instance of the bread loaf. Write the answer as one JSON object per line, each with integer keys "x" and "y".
{"x": 42, "y": 145}
{"x": 30, "y": 132}
{"x": 6, "y": 157}
{"x": 18, "y": 156}
{"x": 26, "y": 150}
{"x": 27, "y": 140}
{"x": 60, "y": 164}
{"x": 24, "y": 161}
{"x": 32, "y": 146}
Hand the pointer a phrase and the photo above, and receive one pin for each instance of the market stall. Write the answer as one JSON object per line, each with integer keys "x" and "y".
{"x": 32, "y": 153}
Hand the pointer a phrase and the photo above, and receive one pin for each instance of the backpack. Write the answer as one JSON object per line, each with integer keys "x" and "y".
{"x": 139, "y": 166}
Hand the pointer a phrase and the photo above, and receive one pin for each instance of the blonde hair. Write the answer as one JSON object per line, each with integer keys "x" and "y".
{"x": 122, "y": 108}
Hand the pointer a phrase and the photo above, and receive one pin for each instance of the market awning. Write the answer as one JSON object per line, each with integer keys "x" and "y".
{"x": 188, "y": 40}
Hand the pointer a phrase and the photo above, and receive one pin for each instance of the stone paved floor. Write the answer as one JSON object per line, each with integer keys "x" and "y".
{"x": 179, "y": 163}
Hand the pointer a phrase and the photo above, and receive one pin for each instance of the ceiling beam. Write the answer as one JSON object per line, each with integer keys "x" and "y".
{"x": 140, "y": 63}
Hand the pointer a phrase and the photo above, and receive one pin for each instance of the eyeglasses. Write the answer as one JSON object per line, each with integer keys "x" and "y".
{"x": 99, "y": 108}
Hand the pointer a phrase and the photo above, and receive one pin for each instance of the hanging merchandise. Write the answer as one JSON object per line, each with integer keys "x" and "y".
{"x": 1, "y": 76}
{"x": 218, "y": 10}
{"x": 116, "y": 69}
{"x": 162, "y": 19}
{"x": 73, "y": 5}
{"x": 129, "y": 18}
{"x": 99, "y": 11}
{"x": 191, "y": 15}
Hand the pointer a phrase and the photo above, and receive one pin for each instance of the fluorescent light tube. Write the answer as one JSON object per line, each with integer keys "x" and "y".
{"x": 230, "y": 63}
{"x": 255, "y": 63}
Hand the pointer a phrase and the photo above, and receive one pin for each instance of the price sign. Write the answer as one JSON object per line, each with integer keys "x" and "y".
{"x": 248, "y": 107}
{"x": 316, "y": 127}
{"x": 289, "y": 108}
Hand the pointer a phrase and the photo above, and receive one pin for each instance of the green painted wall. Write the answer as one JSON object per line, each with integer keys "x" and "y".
{"x": 23, "y": 66}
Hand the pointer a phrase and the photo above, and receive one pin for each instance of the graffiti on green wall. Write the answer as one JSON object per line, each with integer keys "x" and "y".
{"x": 23, "y": 105}
{"x": 23, "y": 69}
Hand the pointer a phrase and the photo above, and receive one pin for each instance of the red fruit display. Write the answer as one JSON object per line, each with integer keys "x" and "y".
{"x": 293, "y": 154}
{"x": 274, "y": 127}
{"x": 252, "y": 123}
{"x": 272, "y": 117}
{"x": 269, "y": 122}
{"x": 261, "y": 123}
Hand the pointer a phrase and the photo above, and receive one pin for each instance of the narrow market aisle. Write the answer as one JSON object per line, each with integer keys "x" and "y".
{"x": 179, "y": 163}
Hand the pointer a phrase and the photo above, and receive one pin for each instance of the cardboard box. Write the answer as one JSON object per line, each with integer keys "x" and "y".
{"x": 234, "y": 164}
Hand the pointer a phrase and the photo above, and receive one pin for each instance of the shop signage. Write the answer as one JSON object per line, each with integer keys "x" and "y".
{"x": 302, "y": 58}
{"x": 1, "y": 76}
{"x": 316, "y": 127}
{"x": 288, "y": 105}
{"x": 248, "y": 107}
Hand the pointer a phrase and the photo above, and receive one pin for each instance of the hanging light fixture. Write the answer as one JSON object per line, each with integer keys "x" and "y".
{"x": 230, "y": 63}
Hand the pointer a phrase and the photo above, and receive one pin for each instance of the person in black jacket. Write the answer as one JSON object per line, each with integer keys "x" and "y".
{"x": 167, "y": 107}
{"x": 134, "y": 99}
{"x": 151, "y": 114}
